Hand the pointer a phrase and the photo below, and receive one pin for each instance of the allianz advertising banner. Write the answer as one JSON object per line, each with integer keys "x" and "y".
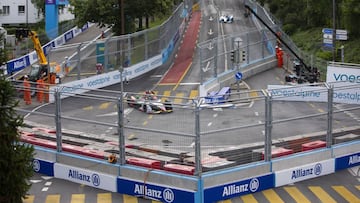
{"x": 86, "y": 177}
{"x": 154, "y": 192}
{"x": 235, "y": 189}
{"x": 346, "y": 82}
{"x": 347, "y": 161}
{"x": 304, "y": 172}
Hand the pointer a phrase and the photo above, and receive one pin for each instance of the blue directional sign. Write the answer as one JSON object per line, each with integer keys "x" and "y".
{"x": 327, "y": 30}
{"x": 238, "y": 76}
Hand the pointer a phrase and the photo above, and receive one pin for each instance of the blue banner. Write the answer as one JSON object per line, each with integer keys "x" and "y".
{"x": 154, "y": 192}
{"x": 17, "y": 64}
{"x": 69, "y": 35}
{"x": 43, "y": 167}
{"x": 347, "y": 161}
{"x": 47, "y": 47}
{"x": 236, "y": 189}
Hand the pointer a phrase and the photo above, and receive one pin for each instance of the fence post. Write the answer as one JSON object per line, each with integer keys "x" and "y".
{"x": 268, "y": 126}
{"x": 79, "y": 62}
{"x": 121, "y": 120}
{"x": 58, "y": 120}
{"x": 329, "y": 115}
{"x": 198, "y": 169}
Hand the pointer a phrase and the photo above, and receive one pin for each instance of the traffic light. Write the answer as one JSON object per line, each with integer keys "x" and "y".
{"x": 243, "y": 56}
{"x": 232, "y": 56}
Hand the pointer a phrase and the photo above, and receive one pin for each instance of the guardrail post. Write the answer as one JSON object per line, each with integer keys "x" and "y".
{"x": 329, "y": 115}
{"x": 198, "y": 169}
{"x": 268, "y": 127}
{"x": 121, "y": 120}
{"x": 58, "y": 120}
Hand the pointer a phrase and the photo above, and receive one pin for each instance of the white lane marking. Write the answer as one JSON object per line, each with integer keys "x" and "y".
{"x": 263, "y": 132}
{"x": 215, "y": 115}
{"x": 35, "y": 181}
{"x": 48, "y": 183}
{"x": 256, "y": 113}
{"x": 35, "y": 109}
{"x": 45, "y": 189}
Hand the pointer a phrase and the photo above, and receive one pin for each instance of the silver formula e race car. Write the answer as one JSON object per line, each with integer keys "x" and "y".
{"x": 149, "y": 104}
{"x": 226, "y": 19}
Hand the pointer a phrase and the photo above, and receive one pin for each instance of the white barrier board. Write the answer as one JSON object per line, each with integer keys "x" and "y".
{"x": 340, "y": 77}
{"x": 298, "y": 93}
{"x": 304, "y": 172}
{"x": 86, "y": 177}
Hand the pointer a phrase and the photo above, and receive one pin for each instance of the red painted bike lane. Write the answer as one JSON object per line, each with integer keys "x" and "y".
{"x": 183, "y": 61}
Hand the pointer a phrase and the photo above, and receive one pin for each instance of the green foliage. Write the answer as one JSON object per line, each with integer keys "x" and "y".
{"x": 15, "y": 157}
{"x": 108, "y": 13}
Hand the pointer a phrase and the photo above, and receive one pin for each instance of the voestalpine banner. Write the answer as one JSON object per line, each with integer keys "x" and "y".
{"x": 346, "y": 82}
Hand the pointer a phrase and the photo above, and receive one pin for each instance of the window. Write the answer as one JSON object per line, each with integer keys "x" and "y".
{"x": 21, "y": 9}
{"x": 6, "y": 10}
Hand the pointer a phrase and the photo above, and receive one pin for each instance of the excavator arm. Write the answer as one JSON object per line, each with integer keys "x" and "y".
{"x": 37, "y": 46}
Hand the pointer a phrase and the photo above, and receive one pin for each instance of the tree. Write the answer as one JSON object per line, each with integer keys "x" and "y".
{"x": 40, "y": 5}
{"x": 15, "y": 157}
{"x": 107, "y": 13}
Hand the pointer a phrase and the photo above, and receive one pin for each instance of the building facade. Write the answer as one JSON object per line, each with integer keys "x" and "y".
{"x": 23, "y": 12}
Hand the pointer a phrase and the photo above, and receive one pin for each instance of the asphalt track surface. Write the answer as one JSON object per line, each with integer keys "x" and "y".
{"x": 183, "y": 61}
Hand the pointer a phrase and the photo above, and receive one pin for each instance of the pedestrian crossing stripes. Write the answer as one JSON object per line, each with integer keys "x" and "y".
{"x": 318, "y": 194}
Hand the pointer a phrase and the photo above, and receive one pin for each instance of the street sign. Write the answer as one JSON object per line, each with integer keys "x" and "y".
{"x": 327, "y": 30}
{"x": 238, "y": 76}
{"x": 340, "y": 34}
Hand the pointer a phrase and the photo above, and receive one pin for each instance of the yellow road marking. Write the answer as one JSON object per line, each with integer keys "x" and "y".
{"x": 166, "y": 94}
{"x": 87, "y": 108}
{"x": 321, "y": 194}
{"x": 145, "y": 123}
{"x": 321, "y": 111}
{"x": 104, "y": 105}
{"x": 253, "y": 93}
{"x": 346, "y": 194}
{"x": 272, "y": 197}
{"x": 358, "y": 187}
{"x": 104, "y": 198}
{"x": 52, "y": 199}
{"x": 248, "y": 199}
{"x": 226, "y": 201}
{"x": 277, "y": 78}
{"x": 77, "y": 198}
{"x": 296, "y": 195}
{"x": 312, "y": 105}
{"x": 182, "y": 77}
{"x": 29, "y": 199}
{"x": 178, "y": 100}
{"x": 129, "y": 199}
{"x": 150, "y": 116}
{"x": 193, "y": 94}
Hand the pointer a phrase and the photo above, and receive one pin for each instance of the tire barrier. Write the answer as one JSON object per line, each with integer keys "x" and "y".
{"x": 313, "y": 145}
{"x": 177, "y": 168}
